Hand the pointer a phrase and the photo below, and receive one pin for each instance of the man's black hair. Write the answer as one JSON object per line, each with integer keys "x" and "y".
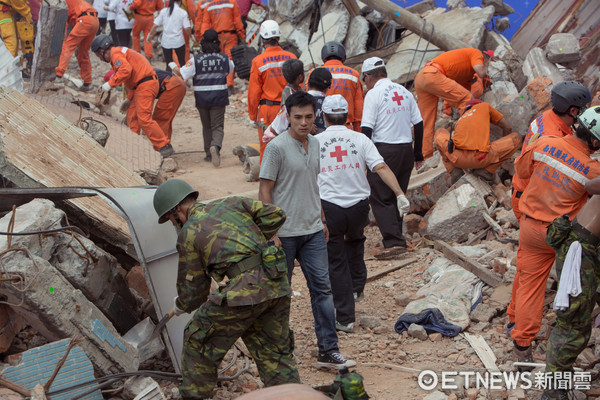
{"x": 320, "y": 79}
{"x": 292, "y": 69}
{"x": 300, "y": 99}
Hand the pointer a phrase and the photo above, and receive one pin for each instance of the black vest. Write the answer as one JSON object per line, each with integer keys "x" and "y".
{"x": 210, "y": 81}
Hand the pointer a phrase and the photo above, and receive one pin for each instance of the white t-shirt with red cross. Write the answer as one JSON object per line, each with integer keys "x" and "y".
{"x": 390, "y": 110}
{"x": 345, "y": 154}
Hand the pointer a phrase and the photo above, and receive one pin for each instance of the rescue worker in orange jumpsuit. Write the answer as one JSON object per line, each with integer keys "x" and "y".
{"x": 346, "y": 82}
{"x": 84, "y": 20}
{"x": 470, "y": 145}
{"x": 447, "y": 76}
{"x": 224, "y": 17}
{"x": 144, "y": 18}
{"x": 10, "y": 10}
{"x": 171, "y": 93}
{"x": 139, "y": 77}
{"x": 558, "y": 169}
{"x": 189, "y": 7}
{"x": 568, "y": 99}
{"x": 266, "y": 80}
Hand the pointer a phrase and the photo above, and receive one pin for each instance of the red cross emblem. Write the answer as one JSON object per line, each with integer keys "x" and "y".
{"x": 397, "y": 98}
{"x": 338, "y": 153}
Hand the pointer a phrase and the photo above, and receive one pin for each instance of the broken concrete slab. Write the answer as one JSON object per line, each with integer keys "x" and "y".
{"x": 48, "y": 42}
{"x": 356, "y": 38}
{"x": 333, "y": 26}
{"x": 425, "y": 189}
{"x": 498, "y": 71}
{"x": 135, "y": 385}
{"x": 474, "y": 267}
{"x": 401, "y": 67}
{"x": 563, "y": 48}
{"x": 456, "y": 214}
{"x": 519, "y": 110}
{"x": 502, "y": 24}
{"x": 536, "y": 64}
{"x": 85, "y": 265}
{"x": 35, "y": 367}
{"x": 453, "y": 4}
{"x": 493, "y": 40}
{"x": 56, "y": 310}
{"x": 499, "y": 91}
{"x": 39, "y": 149}
{"x": 514, "y": 64}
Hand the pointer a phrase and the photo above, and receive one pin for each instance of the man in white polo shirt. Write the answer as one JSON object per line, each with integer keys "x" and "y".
{"x": 345, "y": 154}
{"x": 388, "y": 114}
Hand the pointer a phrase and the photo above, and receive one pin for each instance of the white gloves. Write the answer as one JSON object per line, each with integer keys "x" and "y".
{"x": 403, "y": 205}
{"x": 172, "y": 65}
{"x": 176, "y": 310}
{"x": 106, "y": 87}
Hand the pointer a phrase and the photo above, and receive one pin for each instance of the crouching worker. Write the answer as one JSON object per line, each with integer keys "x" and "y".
{"x": 139, "y": 77}
{"x": 229, "y": 238}
{"x": 576, "y": 245}
{"x": 470, "y": 147}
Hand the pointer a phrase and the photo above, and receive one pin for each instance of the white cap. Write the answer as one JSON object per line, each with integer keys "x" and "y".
{"x": 269, "y": 29}
{"x": 372, "y": 63}
{"x": 335, "y": 104}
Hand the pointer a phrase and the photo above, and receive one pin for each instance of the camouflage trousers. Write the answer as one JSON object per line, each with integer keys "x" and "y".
{"x": 212, "y": 331}
{"x": 574, "y": 325}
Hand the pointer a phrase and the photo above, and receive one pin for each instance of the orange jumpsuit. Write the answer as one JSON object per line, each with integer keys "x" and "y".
{"x": 200, "y": 8}
{"x": 138, "y": 75}
{"x": 224, "y": 17}
{"x": 472, "y": 148}
{"x": 477, "y": 88}
{"x": 447, "y": 76}
{"x": 547, "y": 123}
{"x": 190, "y": 8}
{"x": 346, "y": 81}
{"x": 265, "y": 87}
{"x": 144, "y": 18}
{"x": 557, "y": 169}
{"x": 84, "y": 19}
{"x": 166, "y": 107}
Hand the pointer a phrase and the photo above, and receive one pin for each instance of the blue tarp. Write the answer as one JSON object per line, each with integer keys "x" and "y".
{"x": 431, "y": 319}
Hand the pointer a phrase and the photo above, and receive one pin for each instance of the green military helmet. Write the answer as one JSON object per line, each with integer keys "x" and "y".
{"x": 590, "y": 118}
{"x": 168, "y": 195}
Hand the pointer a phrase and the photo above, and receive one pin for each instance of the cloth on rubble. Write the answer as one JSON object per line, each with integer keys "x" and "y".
{"x": 445, "y": 302}
{"x": 570, "y": 281}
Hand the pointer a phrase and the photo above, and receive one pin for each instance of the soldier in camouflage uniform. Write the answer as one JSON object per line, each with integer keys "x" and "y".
{"x": 573, "y": 327}
{"x": 228, "y": 238}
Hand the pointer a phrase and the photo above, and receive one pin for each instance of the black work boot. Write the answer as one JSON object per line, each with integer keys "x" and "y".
{"x": 524, "y": 354}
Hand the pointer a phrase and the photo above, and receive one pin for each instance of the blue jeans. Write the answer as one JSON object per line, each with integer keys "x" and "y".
{"x": 311, "y": 253}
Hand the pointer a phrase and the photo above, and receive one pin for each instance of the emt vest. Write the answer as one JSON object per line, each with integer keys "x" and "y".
{"x": 210, "y": 81}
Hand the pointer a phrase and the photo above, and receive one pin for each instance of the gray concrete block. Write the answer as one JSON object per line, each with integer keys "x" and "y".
{"x": 54, "y": 308}
{"x": 356, "y": 39}
{"x": 497, "y": 71}
{"x": 453, "y": 4}
{"x": 417, "y": 331}
{"x": 425, "y": 189}
{"x": 499, "y": 91}
{"x": 563, "y": 48}
{"x": 501, "y": 7}
{"x": 536, "y": 64}
{"x": 519, "y": 110}
{"x": 502, "y": 24}
{"x": 456, "y": 214}
{"x": 493, "y": 40}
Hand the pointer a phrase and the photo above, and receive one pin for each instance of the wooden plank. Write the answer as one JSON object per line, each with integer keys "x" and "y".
{"x": 454, "y": 255}
{"x": 352, "y": 7}
{"x": 483, "y": 350}
{"x": 402, "y": 264}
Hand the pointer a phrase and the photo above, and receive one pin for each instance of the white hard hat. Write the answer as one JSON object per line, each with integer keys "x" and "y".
{"x": 269, "y": 29}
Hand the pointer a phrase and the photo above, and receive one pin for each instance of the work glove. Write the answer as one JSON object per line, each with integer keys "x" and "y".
{"x": 125, "y": 106}
{"x": 106, "y": 87}
{"x": 172, "y": 65}
{"x": 403, "y": 205}
{"x": 253, "y": 123}
{"x": 176, "y": 310}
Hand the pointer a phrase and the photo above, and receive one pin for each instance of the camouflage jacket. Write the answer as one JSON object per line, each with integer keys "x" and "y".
{"x": 215, "y": 237}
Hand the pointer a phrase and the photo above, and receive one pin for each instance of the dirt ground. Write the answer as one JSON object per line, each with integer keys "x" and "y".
{"x": 388, "y": 361}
